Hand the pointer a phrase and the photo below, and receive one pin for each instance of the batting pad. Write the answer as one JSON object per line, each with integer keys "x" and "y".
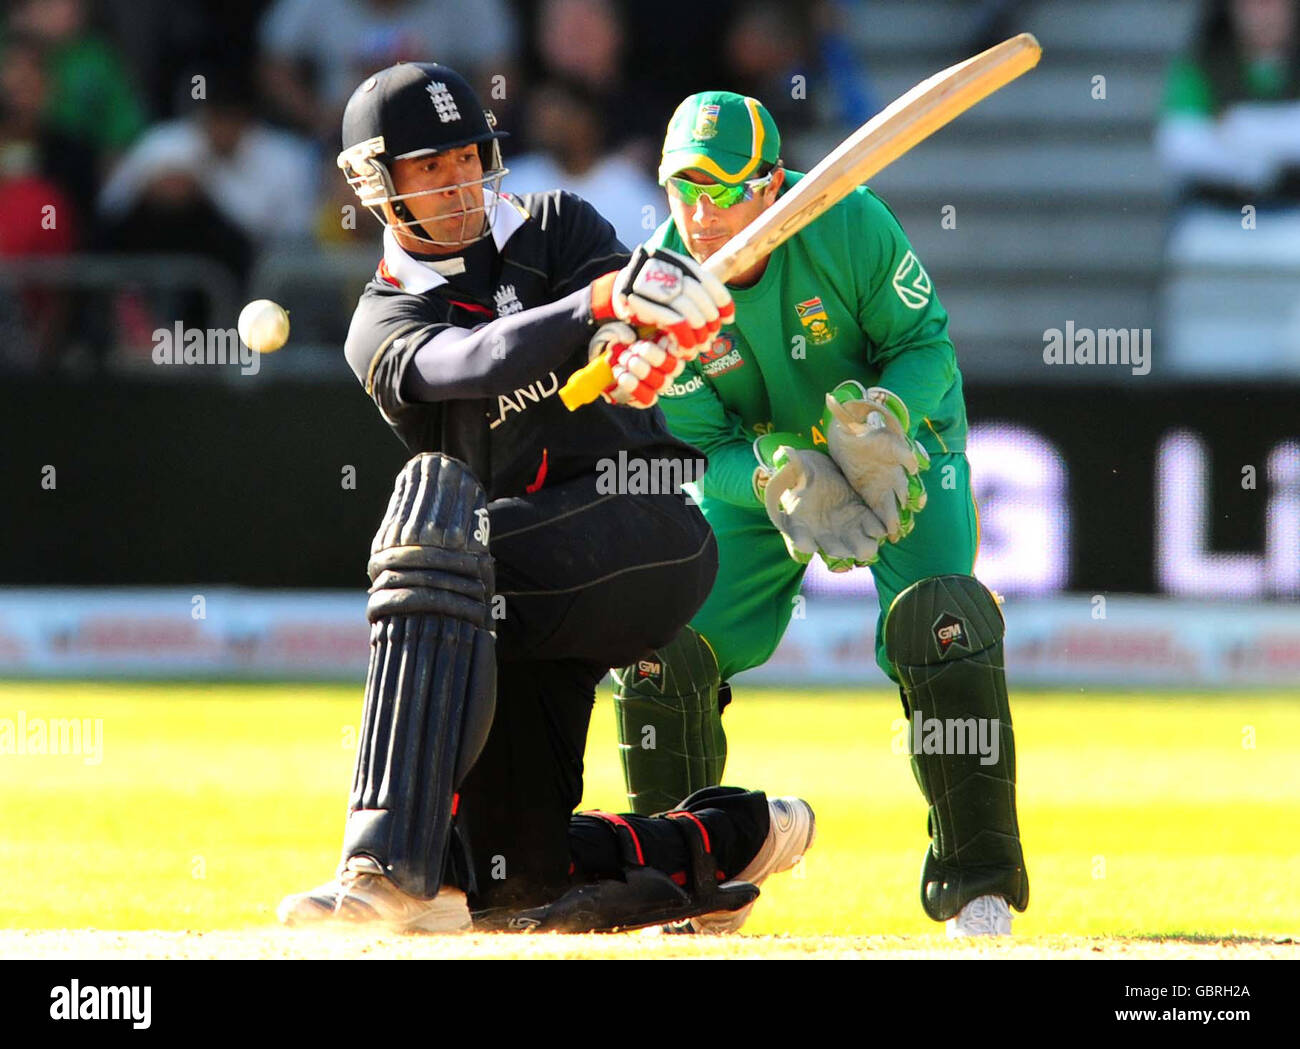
{"x": 431, "y": 682}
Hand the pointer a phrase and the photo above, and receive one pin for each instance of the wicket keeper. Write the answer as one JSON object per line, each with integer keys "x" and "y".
{"x": 820, "y": 408}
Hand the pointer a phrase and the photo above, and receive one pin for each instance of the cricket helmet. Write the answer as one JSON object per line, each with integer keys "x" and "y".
{"x": 416, "y": 109}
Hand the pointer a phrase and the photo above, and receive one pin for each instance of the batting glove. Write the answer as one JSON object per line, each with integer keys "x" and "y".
{"x": 668, "y": 292}
{"x": 641, "y": 367}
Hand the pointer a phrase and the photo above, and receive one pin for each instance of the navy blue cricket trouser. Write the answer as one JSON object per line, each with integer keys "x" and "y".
{"x": 589, "y": 581}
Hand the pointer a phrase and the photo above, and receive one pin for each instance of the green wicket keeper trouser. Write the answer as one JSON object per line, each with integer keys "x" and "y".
{"x": 753, "y": 597}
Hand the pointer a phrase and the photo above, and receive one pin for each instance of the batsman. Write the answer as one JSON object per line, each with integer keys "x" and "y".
{"x": 504, "y": 580}
{"x": 832, "y": 415}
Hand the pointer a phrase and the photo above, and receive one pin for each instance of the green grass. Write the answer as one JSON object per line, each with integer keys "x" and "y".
{"x": 1140, "y": 815}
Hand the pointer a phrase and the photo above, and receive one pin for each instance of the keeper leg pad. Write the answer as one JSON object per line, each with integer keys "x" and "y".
{"x": 944, "y": 636}
{"x": 431, "y": 682}
{"x": 671, "y": 740}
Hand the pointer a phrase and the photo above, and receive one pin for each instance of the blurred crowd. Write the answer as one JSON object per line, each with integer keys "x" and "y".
{"x": 1228, "y": 140}
{"x": 1230, "y": 130}
{"x": 156, "y": 127}
{"x": 150, "y": 129}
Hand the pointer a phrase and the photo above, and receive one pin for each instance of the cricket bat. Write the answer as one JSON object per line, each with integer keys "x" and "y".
{"x": 876, "y": 144}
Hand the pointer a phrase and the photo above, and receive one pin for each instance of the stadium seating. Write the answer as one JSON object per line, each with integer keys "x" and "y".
{"x": 1060, "y": 205}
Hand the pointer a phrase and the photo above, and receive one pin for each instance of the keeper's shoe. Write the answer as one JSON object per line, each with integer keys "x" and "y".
{"x": 982, "y": 916}
{"x": 791, "y": 831}
{"x": 308, "y": 908}
{"x": 368, "y": 896}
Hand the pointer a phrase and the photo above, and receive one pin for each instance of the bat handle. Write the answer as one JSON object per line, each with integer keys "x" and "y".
{"x": 587, "y": 383}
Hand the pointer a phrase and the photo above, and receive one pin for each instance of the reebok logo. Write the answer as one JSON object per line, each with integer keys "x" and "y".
{"x": 681, "y": 389}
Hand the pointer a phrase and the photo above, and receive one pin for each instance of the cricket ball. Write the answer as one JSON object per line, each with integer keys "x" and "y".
{"x": 264, "y": 325}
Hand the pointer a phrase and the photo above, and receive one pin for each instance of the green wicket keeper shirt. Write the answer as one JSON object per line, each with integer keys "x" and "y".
{"x": 845, "y": 298}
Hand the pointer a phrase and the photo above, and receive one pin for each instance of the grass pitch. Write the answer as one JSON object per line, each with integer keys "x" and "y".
{"x": 1152, "y": 824}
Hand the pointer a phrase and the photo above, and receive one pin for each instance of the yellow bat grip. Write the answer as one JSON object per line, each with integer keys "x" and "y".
{"x": 586, "y": 384}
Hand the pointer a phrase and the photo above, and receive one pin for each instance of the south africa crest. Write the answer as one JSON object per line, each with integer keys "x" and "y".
{"x": 706, "y": 122}
{"x": 812, "y": 315}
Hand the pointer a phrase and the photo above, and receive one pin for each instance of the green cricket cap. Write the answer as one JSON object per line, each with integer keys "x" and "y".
{"x": 725, "y": 135}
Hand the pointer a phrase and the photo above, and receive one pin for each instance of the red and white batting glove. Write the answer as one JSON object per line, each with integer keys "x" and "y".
{"x": 666, "y": 291}
{"x": 641, "y": 368}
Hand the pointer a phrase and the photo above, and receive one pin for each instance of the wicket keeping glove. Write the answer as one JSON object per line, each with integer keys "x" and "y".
{"x": 641, "y": 367}
{"x": 868, "y": 435}
{"x": 669, "y": 292}
{"x": 812, "y": 505}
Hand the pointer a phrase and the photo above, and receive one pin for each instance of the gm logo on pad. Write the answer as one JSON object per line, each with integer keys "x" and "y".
{"x": 650, "y": 670}
{"x": 949, "y": 630}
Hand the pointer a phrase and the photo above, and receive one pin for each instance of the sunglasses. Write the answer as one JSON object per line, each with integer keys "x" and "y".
{"x": 721, "y": 196}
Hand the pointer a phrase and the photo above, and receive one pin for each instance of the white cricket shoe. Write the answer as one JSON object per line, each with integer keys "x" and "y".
{"x": 983, "y": 916}
{"x": 368, "y": 896}
{"x": 791, "y": 832}
{"x": 314, "y": 905}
